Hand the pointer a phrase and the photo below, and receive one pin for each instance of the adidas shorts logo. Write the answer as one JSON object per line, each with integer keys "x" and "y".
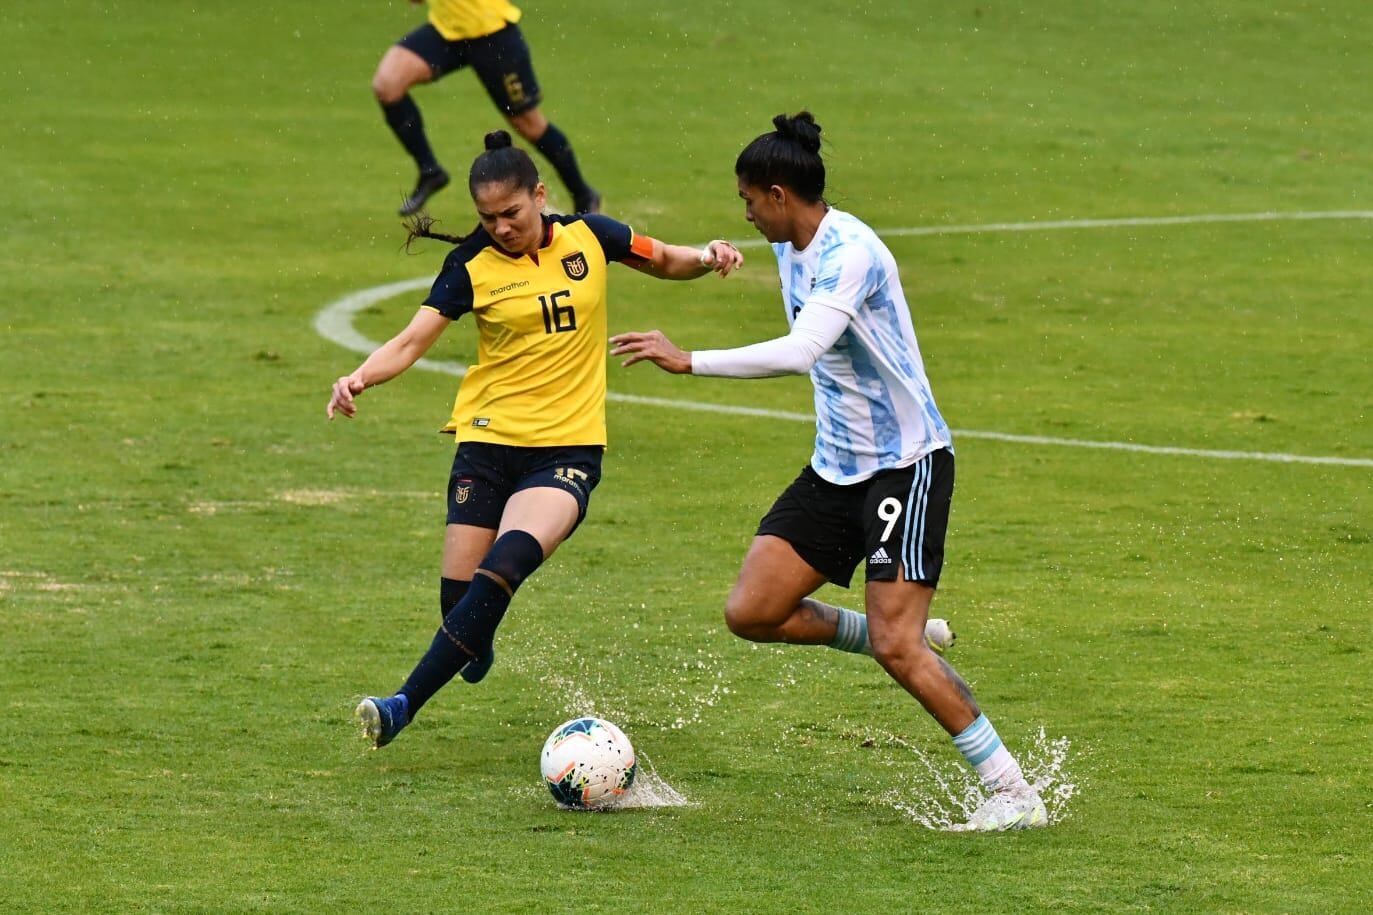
{"x": 880, "y": 558}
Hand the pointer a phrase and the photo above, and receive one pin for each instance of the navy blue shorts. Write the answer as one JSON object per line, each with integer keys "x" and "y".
{"x": 896, "y": 520}
{"x": 501, "y": 60}
{"x": 485, "y": 476}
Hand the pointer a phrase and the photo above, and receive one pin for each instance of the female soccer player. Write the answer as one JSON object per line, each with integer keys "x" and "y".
{"x": 530, "y": 415}
{"x": 482, "y": 34}
{"x": 881, "y": 479}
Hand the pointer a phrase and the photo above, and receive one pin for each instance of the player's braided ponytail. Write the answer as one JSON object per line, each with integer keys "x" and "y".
{"x": 789, "y": 156}
{"x": 421, "y": 225}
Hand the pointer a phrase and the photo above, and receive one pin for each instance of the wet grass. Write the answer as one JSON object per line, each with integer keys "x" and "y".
{"x": 198, "y": 575}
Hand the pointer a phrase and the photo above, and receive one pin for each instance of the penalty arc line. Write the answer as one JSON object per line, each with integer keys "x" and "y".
{"x": 335, "y": 323}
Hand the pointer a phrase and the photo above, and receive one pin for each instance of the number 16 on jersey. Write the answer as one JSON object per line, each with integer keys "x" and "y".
{"x": 557, "y": 319}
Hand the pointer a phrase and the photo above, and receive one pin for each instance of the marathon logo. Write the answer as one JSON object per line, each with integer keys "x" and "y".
{"x": 508, "y": 286}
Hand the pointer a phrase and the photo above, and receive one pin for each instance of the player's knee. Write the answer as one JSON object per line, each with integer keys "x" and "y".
{"x": 742, "y": 618}
{"x": 512, "y": 558}
{"x": 387, "y": 89}
{"x": 529, "y": 124}
{"x": 899, "y": 651}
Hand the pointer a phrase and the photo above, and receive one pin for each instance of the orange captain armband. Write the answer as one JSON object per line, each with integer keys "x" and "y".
{"x": 640, "y": 248}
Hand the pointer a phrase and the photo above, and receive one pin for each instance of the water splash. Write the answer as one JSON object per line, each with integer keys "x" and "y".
{"x": 581, "y": 692}
{"x": 651, "y": 790}
{"x": 945, "y": 792}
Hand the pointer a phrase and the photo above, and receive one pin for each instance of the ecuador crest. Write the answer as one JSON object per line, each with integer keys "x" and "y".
{"x": 574, "y": 265}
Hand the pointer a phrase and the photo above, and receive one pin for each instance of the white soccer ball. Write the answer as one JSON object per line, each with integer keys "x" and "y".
{"x": 587, "y": 763}
{"x": 938, "y": 635}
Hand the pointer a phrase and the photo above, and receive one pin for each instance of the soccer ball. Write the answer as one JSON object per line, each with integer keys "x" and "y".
{"x": 938, "y": 635}
{"x": 587, "y": 763}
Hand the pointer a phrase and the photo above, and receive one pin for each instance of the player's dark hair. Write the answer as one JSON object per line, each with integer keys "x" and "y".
{"x": 501, "y": 162}
{"x": 788, "y": 156}
{"x": 421, "y": 225}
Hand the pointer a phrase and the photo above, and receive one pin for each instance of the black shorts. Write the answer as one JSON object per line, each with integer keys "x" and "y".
{"x": 485, "y": 476}
{"x": 501, "y": 60}
{"x": 897, "y": 519}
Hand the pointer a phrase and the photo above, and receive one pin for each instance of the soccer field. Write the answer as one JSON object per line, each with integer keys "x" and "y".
{"x": 199, "y": 576}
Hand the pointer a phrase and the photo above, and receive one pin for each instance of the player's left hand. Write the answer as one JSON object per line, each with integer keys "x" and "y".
{"x": 722, "y": 257}
{"x": 653, "y": 347}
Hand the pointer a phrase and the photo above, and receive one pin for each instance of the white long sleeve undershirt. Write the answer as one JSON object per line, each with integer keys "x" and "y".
{"x": 818, "y": 326}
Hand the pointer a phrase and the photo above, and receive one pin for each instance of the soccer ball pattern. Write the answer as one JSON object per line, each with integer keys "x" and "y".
{"x": 587, "y": 763}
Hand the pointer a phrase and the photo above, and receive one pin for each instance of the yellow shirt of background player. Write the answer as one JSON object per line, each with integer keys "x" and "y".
{"x": 542, "y": 332}
{"x": 457, "y": 20}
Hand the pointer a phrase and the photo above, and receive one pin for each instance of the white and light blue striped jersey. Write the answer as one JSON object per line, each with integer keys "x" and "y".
{"x": 873, "y": 406}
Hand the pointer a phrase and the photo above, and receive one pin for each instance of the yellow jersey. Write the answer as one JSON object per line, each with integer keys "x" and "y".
{"x": 457, "y": 20}
{"x": 540, "y": 375}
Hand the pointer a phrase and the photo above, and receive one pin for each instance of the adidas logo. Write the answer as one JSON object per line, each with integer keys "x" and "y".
{"x": 880, "y": 558}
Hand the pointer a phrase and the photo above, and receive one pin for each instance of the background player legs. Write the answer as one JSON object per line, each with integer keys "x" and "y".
{"x": 557, "y": 149}
{"x": 770, "y": 602}
{"x": 399, "y": 70}
{"x": 896, "y": 615}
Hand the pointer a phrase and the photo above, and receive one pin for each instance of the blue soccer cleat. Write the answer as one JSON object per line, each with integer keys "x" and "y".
{"x": 474, "y": 670}
{"x": 383, "y": 719}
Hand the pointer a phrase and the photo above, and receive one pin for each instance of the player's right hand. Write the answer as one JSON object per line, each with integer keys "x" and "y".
{"x": 345, "y": 389}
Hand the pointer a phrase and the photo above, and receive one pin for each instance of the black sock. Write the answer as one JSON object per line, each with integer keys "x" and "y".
{"x": 468, "y": 628}
{"x": 408, "y": 126}
{"x": 451, "y": 590}
{"x": 555, "y": 147}
{"x": 480, "y": 609}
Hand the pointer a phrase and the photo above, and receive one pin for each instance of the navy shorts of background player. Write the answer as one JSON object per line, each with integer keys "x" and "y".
{"x": 501, "y": 61}
{"x": 896, "y": 518}
{"x": 485, "y": 38}
{"x": 485, "y": 476}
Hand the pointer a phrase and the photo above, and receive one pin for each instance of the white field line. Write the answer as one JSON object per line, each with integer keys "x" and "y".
{"x": 1051, "y": 225}
{"x": 335, "y": 323}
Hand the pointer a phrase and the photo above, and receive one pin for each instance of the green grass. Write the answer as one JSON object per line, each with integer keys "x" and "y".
{"x": 198, "y": 575}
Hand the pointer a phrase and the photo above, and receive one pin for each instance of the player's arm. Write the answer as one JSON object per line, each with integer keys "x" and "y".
{"x": 682, "y": 262}
{"x": 651, "y": 256}
{"x": 817, "y": 328}
{"x": 389, "y": 360}
{"x": 843, "y": 282}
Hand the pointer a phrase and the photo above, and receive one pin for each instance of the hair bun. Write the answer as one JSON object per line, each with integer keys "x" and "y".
{"x": 498, "y": 139}
{"x": 800, "y": 128}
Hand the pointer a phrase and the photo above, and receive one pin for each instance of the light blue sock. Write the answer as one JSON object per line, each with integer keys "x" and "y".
{"x": 981, "y": 746}
{"x": 852, "y": 633}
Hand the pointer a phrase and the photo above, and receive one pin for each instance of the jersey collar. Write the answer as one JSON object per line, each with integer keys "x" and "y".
{"x": 547, "y": 240}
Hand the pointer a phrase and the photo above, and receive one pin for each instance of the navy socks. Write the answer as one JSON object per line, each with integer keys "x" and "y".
{"x": 469, "y": 626}
{"x": 451, "y": 590}
{"x": 555, "y": 147}
{"x": 408, "y": 126}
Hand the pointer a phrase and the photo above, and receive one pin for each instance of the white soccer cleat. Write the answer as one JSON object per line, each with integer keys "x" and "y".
{"x": 1010, "y": 808}
{"x": 938, "y": 635}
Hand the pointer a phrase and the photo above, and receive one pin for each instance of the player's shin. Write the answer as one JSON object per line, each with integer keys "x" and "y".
{"x": 981, "y": 746}
{"x": 451, "y": 590}
{"x": 851, "y": 632}
{"x": 405, "y": 121}
{"x": 467, "y": 631}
